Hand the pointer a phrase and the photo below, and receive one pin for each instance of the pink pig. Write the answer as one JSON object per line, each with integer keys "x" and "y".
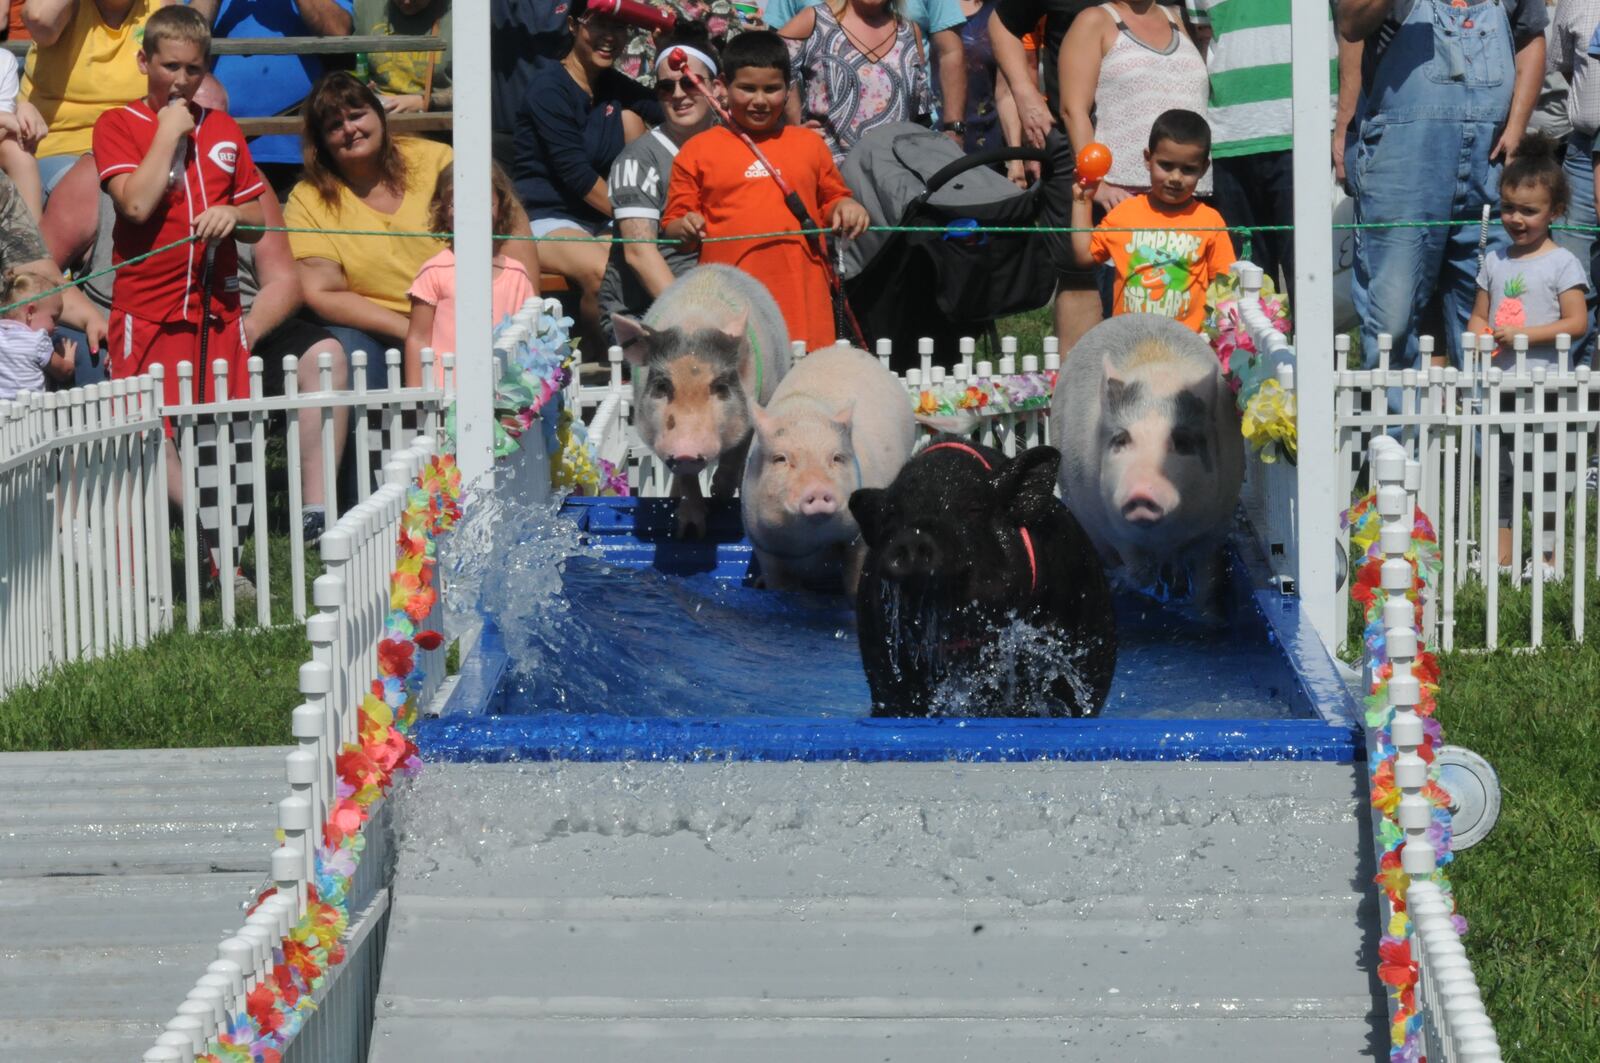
{"x": 838, "y": 422}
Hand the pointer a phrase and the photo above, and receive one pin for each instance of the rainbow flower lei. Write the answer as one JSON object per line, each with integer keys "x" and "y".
{"x": 1267, "y": 411}
{"x": 1016, "y": 393}
{"x": 532, "y": 381}
{"x": 1397, "y": 965}
{"x": 278, "y": 1007}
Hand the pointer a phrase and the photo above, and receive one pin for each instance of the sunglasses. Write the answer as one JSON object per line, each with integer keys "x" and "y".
{"x": 669, "y": 86}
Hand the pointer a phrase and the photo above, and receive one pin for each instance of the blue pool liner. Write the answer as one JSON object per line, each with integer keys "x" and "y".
{"x": 639, "y": 533}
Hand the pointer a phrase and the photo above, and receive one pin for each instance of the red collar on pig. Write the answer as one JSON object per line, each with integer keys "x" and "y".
{"x": 1027, "y": 540}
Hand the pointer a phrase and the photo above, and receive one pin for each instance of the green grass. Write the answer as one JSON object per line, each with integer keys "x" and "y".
{"x": 213, "y": 688}
{"x": 1531, "y": 891}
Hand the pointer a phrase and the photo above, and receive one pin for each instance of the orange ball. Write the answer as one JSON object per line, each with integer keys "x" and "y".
{"x": 1094, "y": 162}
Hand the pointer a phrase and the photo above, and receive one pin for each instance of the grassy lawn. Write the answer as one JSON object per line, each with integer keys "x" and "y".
{"x": 214, "y": 688}
{"x": 1531, "y": 891}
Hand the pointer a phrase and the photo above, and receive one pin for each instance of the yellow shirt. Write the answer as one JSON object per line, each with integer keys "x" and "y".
{"x": 89, "y": 70}
{"x": 381, "y": 268}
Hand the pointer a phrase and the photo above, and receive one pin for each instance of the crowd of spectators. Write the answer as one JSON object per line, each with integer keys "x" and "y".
{"x": 1432, "y": 98}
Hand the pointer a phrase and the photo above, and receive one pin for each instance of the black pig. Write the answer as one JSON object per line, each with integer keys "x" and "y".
{"x": 981, "y": 595}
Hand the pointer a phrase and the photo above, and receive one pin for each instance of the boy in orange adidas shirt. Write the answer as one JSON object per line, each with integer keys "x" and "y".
{"x": 1165, "y": 246}
{"x": 175, "y": 169}
{"x": 719, "y": 188}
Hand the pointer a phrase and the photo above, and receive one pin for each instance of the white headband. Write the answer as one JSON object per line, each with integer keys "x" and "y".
{"x": 690, "y": 51}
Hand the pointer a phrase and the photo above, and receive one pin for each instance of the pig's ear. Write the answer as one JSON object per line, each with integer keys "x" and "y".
{"x": 765, "y": 423}
{"x": 1116, "y": 387}
{"x": 866, "y": 506}
{"x": 1026, "y": 485}
{"x": 632, "y": 336}
{"x": 736, "y": 327}
{"x": 845, "y": 414}
{"x": 960, "y": 423}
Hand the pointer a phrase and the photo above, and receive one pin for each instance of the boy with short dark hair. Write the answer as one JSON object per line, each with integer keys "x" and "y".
{"x": 1165, "y": 246}
{"x": 719, "y": 188}
{"x": 175, "y": 169}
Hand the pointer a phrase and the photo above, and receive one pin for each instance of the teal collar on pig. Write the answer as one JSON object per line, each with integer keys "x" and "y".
{"x": 1027, "y": 540}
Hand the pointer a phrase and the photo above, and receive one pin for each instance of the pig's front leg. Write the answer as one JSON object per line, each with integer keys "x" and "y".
{"x": 691, "y": 522}
{"x": 730, "y": 471}
{"x": 855, "y": 559}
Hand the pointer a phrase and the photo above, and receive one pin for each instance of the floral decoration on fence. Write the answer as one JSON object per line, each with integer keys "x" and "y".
{"x": 1016, "y": 393}
{"x": 1397, "y": 964}
{"x": 536, "y": 372}
{"x": 1266, "y": 407}
{"x": 278, "y": 1007}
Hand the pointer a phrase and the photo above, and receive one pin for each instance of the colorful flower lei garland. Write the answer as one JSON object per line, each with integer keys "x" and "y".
{"x": 534, "y": 375}
{"x": 1016, "y": 393}
{"x": 278, "y": 1007}
{"x": 1397, "y": 965}
{"x": 1267, "y": 410}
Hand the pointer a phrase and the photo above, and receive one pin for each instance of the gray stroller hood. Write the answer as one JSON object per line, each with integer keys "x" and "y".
{"x": 891, "y": 166}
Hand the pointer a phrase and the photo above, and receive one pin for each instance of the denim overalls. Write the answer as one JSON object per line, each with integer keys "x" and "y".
{"x": 1434, "y": 107}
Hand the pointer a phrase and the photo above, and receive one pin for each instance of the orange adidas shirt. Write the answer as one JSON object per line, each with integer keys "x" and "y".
{"x": 717, "y": 177}
{"x": 1162, "y": 266}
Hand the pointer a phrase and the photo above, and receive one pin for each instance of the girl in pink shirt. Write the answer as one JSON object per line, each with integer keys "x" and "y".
{"x": 433, "y": 293}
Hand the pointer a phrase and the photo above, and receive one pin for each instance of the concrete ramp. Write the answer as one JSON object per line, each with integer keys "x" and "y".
{"x": 119, "y": 873}
{"x": 849, "y": 912}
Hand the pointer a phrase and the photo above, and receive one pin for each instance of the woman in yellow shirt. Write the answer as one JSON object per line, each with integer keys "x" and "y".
{"x": 84, "y": 61}
{"x": 358, "y": 177}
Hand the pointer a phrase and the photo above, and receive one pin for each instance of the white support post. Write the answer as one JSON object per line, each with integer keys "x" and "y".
{"x": 474, "y": 248}
{"x": 1317, "y": 503}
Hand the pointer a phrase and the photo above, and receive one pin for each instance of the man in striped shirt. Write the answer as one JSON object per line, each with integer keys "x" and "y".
{"x": 1246, "y": 45}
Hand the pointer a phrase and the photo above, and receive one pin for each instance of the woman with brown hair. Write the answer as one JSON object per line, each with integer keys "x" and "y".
{"x": 359, "y": 177}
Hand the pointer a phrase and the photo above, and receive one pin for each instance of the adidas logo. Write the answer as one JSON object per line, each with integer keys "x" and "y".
{"x": 755, "y": 169}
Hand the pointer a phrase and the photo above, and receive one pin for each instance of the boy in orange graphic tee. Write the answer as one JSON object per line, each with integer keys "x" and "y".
{"x": 1163, "y": 264}
{"x": 719, "y": 188}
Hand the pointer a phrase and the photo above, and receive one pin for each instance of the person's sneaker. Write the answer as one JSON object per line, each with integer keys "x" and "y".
{"x": 1591, "y": 479}
{"x": 243, "y": 589}
{"x": 313, "y": 522}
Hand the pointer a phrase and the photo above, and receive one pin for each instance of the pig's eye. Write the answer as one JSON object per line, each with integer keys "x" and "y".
{"x": 1120, "y": 440}
{"x": 838, "y": 459}
{"x": 780, "y": 459}
{"x": 660, "y": 387}
{"x": 1185, "y": 443}
{"x": 721, "y": 390}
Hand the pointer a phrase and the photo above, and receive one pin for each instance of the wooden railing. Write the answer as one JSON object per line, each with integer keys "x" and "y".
{"x": 300, "y": 45}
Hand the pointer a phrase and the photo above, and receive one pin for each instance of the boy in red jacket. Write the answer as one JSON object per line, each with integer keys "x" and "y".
{"x": 176, "y": 169}
{"x": 719, "y": 188}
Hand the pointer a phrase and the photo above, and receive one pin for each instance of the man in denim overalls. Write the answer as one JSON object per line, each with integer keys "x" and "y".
{"x": 1447, "y": 88}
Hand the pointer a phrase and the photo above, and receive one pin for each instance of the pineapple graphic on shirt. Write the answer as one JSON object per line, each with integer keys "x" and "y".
{"x": 1510, "y": 312}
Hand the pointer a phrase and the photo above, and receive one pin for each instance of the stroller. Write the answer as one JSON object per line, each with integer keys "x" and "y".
{"x": 953, "y": 282}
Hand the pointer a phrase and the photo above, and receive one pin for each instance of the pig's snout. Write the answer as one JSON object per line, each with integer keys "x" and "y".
{"x": 819, "y": 501}
{"x": 911, "y": 555}
{"x": 1141, "y": 507}
{"x": 686, "y": 464}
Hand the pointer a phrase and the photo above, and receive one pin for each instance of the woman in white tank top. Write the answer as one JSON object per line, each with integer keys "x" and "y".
{"x": 1122, "y": 64}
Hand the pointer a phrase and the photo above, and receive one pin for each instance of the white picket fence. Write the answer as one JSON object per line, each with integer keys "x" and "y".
{"x": 352, "y": 599}
{"x": 85, "y": 562}
{"x": 607, "y": 409}
{"x": 1455, "y": 1026}
{"x": 83, "y": 514}
{"x": 1463, "y": 426}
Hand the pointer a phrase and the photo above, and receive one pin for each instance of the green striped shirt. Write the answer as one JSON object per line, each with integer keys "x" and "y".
{"x": 1252, "y": 87}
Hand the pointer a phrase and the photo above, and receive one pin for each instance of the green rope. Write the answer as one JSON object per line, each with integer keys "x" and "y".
{"x": 1248, "y": 232}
